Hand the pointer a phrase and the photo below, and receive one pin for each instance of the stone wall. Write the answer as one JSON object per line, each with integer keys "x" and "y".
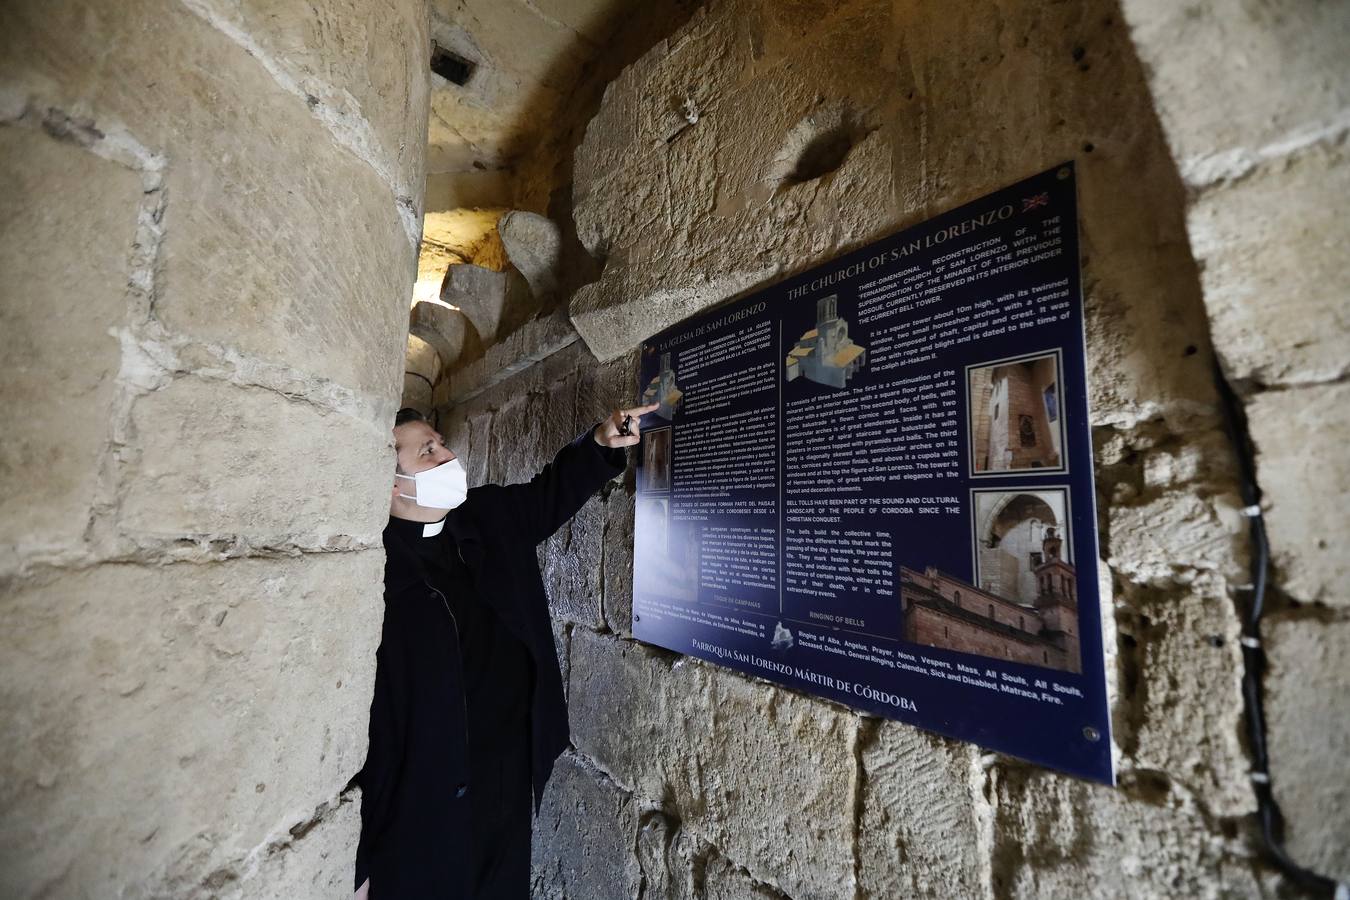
{"x": 210, "y": 216}
{"x": 704, "y": 174}
{"x": 1263, "y": 153}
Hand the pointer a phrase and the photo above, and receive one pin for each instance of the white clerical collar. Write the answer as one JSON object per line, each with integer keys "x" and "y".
{"x": 431, "y": 529}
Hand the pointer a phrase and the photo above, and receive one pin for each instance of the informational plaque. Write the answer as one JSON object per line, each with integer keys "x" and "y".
{"x": 873, "y": 482}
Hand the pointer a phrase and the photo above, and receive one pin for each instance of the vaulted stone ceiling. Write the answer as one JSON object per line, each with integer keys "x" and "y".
{"x": 526, "y": 57}
{"x": 519, "y": 61}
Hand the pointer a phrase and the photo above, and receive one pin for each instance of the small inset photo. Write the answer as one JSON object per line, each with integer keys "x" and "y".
{"x": 656, "y": 460}
{"x": 1014, "y": 409}
{"x": 663, "y": 390}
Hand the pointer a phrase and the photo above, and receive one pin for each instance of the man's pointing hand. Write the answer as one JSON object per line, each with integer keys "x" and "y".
{"x": 621, "y": 428}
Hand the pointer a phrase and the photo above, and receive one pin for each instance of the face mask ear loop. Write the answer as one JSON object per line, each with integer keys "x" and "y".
{"x": 410, "y": 478}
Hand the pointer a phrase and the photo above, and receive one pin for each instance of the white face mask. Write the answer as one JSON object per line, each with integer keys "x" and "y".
{"x": 443, "y": 487}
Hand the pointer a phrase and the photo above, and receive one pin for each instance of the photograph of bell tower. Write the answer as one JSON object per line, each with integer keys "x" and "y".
{"x": 1023, "y": 606}
{"x": 1015, "y": 421}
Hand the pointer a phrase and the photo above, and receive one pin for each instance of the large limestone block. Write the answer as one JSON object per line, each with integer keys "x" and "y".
{"x": 765, "y": 775}
{"x": 351, "y": 61}
{"x": 1308, "y": 730}
{"x": 533, "y": 342}
{"x": 1273, "y": 248}
{"x": 1300, "y": 436}
{"x": 534, "y": 245}
{"x": 1180, "y": 709}
{"x": 60, "y": 360}
{"x": 216, "y": 459}
{"x": 448, "y": 330}
{"x": 919, "y": 832}
{"x": 422, "y": 358}
{"x": 583, "y": 837}
{"x": 496, "y": 302}
{"x": 1055, "y": 837}
{"x": 1224, "y": 75}
{"x": 278, "y": 241}
{"x": 163, "y": 723}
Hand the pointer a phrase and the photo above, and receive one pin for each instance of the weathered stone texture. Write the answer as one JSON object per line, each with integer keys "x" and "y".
{"x": 1059, "y": 838}
{"x": 1308, "y": 713}
{"x": 350, "y": 61}
{"x": 249, "y": 260}
{"x": 766, "y": 776}
{"x": 902, "y": 88}
{"x": 584, "y": 836}
{"x": 1284, "y": 77}
{"x": 920, "y": 836}
{"x": 60, "y": 360}
{"x": 1302, "y": 466}
{"x": 167, "y": 722}
{"x": 217, "y": 346}
{"x": 310, "y": 861}
{"x": 1275, "y": 278}
{"x": 300, "y": 474}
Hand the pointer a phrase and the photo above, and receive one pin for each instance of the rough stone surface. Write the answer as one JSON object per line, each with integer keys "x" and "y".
{"x": 1308, "y": 712}
{"x": 535, "y": 341}
{"x": 533, "y": 244}
{"x": 421, "y": 358}
{"x": 325, "y": 310}
{"x": 766, "y": 776}
{"x": 496, "y": 302}
{"x": 1262, "y": 151}
{"x": 920, "y": 837}
{"x": 903, "y": 88}
{"x": 583, "y": 837}
{"x": 1059, "y": 838}
{"x": 229, "y": 699}
{"x": 212, "y": 211}
{"x": 314, "y": 861}
{"x": 298, "y": 470}
{"x": 448, "y": 330}
{"x": 1220, "y": 127}
{"x": 60, "y": 360}
{"x": 1300, "y": 438}
{"x": 1274, "y": 278}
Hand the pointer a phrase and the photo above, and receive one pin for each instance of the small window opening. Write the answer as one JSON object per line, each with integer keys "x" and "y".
{"x": 451, "y": 66}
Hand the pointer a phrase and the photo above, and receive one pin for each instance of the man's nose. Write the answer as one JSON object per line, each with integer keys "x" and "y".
{"x": 443, "y": 455}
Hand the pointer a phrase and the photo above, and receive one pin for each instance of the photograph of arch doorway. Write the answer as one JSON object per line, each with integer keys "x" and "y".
{"x": 1023, "y": 606}
{"x": 1015, "y": 419}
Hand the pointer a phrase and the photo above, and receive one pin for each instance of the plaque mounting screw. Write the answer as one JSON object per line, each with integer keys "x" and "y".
{"x": 1091, "y": 733}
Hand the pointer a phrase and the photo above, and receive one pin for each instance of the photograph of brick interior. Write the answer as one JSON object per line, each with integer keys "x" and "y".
{"x": 656, "y": 459}
{"x": 236, "y": 237}
{"x": 1026, "y": 606}
{"x": 1014, "y": 415}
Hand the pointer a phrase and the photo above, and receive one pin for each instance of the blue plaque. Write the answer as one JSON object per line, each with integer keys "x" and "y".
{"x": 873, "y": 482}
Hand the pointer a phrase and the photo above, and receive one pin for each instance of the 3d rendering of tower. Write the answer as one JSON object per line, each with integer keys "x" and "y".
{"x": 825, "y": 354}
{"x": 662, "y": 390}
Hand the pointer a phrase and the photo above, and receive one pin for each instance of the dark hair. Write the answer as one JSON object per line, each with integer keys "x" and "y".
{"x": 408, "y": 414}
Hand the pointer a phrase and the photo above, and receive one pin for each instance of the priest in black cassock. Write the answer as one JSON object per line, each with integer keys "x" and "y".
{"x": 468, "y": 713}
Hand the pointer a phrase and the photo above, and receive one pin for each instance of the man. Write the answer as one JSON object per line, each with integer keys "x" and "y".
{"x": 468, "y": 713}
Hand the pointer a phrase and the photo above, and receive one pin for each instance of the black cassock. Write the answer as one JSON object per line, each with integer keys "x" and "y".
{"x": 468, "y": 714}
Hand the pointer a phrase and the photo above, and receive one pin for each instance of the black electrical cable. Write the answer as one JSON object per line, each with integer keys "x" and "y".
{"x": 1253, "y": 656}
